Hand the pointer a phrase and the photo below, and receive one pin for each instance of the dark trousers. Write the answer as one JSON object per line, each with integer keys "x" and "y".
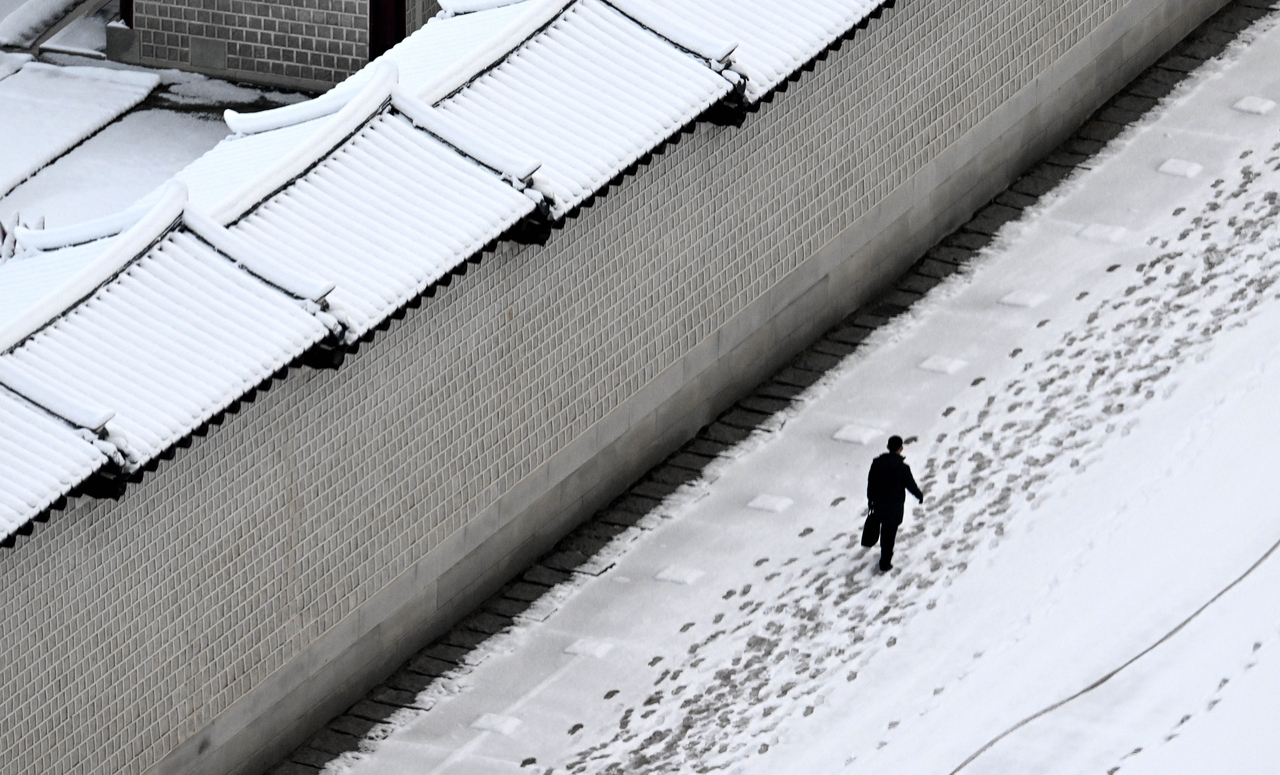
{"x": 886, "y": 531}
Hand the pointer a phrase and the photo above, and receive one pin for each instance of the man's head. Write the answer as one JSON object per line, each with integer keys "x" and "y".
{"x": 895, "y": 445}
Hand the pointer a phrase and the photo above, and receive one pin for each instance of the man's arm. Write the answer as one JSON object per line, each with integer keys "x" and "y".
{"x": 910, "y": 483}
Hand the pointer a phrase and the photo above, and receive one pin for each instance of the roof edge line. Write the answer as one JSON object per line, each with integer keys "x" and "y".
{"x": 81, "y": 415}
{"x": 126, "y": 247}
{"x": 244, "y": 254}
{"x": 513, "y": 168}
{"x": 544, "y": 12}
{"x": 676, "y": 30}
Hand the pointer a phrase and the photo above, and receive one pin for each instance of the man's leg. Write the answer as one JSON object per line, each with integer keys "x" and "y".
{"x": 888, "y": 532}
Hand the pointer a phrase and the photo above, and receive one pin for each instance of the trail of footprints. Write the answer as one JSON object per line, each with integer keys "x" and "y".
{"x": 828, "y": 611}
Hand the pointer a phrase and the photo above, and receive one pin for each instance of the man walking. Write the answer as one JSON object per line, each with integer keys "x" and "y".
{"x": 887, "y": 485}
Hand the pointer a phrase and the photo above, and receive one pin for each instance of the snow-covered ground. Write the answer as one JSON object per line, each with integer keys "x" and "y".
{"x": 1089, "y": 586}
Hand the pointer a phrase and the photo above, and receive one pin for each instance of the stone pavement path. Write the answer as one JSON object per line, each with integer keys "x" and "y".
{"x": 577, "y": 552}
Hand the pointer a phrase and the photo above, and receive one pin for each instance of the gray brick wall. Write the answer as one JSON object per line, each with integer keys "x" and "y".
{"x": 131, "y": 627}
{"x": 417, "y": 12}
{"x": 305, "y": 43}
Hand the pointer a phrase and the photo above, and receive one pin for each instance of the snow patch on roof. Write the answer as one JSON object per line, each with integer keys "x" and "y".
{"x": 50, "y": 109}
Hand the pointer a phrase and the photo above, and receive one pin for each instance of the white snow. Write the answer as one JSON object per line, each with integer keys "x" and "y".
{"x": 775, "y": 503}
{"x": 1181, "y": 168}
{"x": 86, "y": 36}
{"x": 1090, "y": 584}
{"x": 50, "y": 109}
{"x": 858, "y": 434}
{"x": 114, "y": 168}
{"x": 22, "y": 22}
{"x": 1257, "y": 105}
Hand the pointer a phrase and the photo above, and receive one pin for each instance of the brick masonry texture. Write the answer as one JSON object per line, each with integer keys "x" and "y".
{"x": 310, "y": 42}
{"x": 132, "y": 625}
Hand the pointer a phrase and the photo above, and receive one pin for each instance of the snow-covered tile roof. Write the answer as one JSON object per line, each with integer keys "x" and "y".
{"x": 49, "y": 109}
{"x": 774, "y": 39}
{"x": 34, "y": 275}
{"x": 41, "y": 459}
{"x": 587, "y": 97}
{"x": 323, "y": 218}
{"x": 444, "y": 45}
{"x": 387, "y": 214}
{"x": 233, "y": 163}
{"x": 167, "y": 342}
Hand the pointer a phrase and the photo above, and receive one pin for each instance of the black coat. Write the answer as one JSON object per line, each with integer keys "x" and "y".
{"x": 887, "y": 486}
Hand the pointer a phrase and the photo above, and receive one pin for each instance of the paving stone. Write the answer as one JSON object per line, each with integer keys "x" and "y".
{"x": 446, "y": 653}
{"x": 373, "y": 711}
{"x": 538, "y": 574}
{"x": 743, "y": 418}
{"x": 1035, "y": 186}
{"x": 1102, "y": 131}
{"x": 969, "y": 240}
{"x": 1117, "y": 115}
{"x": 990, "y": 218}
{"x": 492, "y": 623}
{"x": 636, "y": 503}
{"x": 293, "y": 768}
{"x": 331, "y": 742}
{"x": 1179, "y": 63}
{"x": 566, "y": 561}
{"x": 828, "y": 346}
{"x": 1077, "y": 145}
{"x": 898, "y": 297}
{"x": 1237, "y": 19}
{"x": 429, "y": 666}
{"x": 798, "y": 377}
{"x": 463, "y": 638}
{"x": 950, "y": 254}
{"x": 523, "y": 590}
{"x": 852, "y": 335}
{"x": 409, "y": 681}
{"x": 936, "y": 269}
{"x": 887, "y": 312}
{"x": 1154, "y": 83}
{"x": 504, "y": 606}
{"x": 694, "y": 462}
{"x": 1205, "y": 48}
{"x": 1135, "y": 103}
{"x": 306, "y": 755}
{"x": 352, "y": 725}
{"x": 597, "y": 531}
{"x": 919, "y": 283}
{"x": 1059, "y": 157}
{"x": 866, "y": 319}
{"x": 1050, "y": 171}
{"x": 579, "y": 542}
{"x": 385, "y": 695}
{"x": 706, "y": 447}
{"x": 674, "y": 475}
{"x": 815, "y": 361}
{"x": 619, "y": 518}
{"x": 725, "y": 434}
{"x": 652, "y": 489}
